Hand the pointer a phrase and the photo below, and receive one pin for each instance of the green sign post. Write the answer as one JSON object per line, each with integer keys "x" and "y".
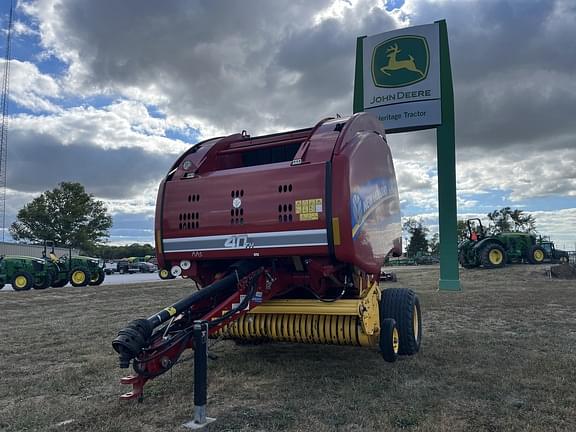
{"x": 404, "y": 78}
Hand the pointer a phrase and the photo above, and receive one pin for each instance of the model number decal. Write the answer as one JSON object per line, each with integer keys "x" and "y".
{"x": 238, "y": 242}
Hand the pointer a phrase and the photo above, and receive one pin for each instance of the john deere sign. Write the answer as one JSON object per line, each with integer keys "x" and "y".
{"x": 403, "y": 77}
{"x": 400, "y": 78}
{"x": 400, "y": 61}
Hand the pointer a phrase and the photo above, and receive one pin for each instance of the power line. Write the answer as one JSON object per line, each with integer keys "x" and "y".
{"x": 4, "y": 125}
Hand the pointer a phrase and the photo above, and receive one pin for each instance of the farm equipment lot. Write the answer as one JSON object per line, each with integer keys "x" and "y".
{"x": 499, "y": 356}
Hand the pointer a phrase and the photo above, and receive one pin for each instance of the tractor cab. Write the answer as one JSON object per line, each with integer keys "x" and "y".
{"x": 476, "y": 230}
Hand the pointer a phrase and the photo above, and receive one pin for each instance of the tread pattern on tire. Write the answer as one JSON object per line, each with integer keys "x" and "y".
{"x": 485, "y": 260}
{"x": 399, "y": 304}
{"x": 531, "y": 251}
{"x": 386, "y": 344}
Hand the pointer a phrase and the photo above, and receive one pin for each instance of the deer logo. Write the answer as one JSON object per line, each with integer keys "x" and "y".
{"x": 394, "y": 64}
{"x": 400, "y": 61}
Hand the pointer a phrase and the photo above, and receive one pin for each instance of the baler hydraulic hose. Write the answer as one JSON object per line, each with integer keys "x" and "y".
{"x": 136, "y": 336}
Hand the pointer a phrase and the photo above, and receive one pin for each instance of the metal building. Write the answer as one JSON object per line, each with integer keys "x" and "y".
{"x": 31, "y": 250}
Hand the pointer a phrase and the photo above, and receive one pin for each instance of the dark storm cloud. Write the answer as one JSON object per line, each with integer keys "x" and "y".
{"x": 261, "y": 64}
{"x": 39, "y": 162}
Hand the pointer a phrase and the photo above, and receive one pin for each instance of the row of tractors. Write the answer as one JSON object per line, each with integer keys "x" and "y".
{"x": 24, "y": 272}
{"x": 480, "y": 249}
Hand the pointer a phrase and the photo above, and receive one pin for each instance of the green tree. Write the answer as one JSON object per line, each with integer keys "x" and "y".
{"x": 125, "y": 251}
{"x": 462, "y": 230}
{"x": 417, "y": 241}
{"x": 434, "y": 245}
{"x": 507, "y": 220}
{"x": 66, "y": 215}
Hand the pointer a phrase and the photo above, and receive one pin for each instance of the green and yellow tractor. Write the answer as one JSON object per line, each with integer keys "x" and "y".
{"x": 493, "y": 251}
{"x": 76, "y": 269}
{"x": 24, "y": 272}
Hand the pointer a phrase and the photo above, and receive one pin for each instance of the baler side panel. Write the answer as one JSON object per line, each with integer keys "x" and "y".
{"x": 269, "y": 210}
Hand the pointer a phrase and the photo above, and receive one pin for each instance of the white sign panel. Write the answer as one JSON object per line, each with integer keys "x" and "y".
{"x": 401, "y": 77}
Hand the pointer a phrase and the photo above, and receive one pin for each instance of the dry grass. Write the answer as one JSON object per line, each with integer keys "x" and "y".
{"x": 501, "y": 356}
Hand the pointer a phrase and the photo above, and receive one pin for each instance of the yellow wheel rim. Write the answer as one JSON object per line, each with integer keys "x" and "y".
{"x": 164, "y": 273}
{"x": 538, "y": 255}
{"x": 78, "y": 277}
{"x": 94, "y": 278}
{"x": 395, "y": 340}
{"x": 21, "y": 281}
{"x": 495, "y": 256}
{"x": 415, "y": 323}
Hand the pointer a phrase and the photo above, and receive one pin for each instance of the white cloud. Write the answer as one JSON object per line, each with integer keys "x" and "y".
{"x": 31, "y": 89}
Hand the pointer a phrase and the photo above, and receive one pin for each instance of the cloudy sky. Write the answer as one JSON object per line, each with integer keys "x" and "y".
{"x": 109, "y": 93}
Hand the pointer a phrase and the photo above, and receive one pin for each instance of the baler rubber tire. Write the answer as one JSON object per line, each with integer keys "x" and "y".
{"x": 46, "y": 282}
{"x": 389, "y": 340}
{"x": 536, "y": 260}
{"x": 25, "y": 287}
{"x": 403, "y": 306}
{"x": 99, "y": 279}
{"x": 485, "y": 256}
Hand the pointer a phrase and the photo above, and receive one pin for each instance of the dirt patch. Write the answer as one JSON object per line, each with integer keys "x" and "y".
{"x": 499, "y": 356}
{"x": 563, "y": 271}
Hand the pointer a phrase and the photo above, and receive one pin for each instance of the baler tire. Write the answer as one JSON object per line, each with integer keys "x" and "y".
{"x": 100, "y": 276}
{"x": 389, "y": 340}
{"x": 44, "y": 283}
{"x": 22, "y": 281}
{"x": 76, "y": 280}
{"x": 403, "y": 305}
{"x": 563, "y": 260}
{"x": 493, "y": 256}
{"x": 536, "y": 255}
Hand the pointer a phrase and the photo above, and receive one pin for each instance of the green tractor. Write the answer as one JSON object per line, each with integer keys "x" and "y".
{"x": 494, "y": 251}
{"x": 554, "y": 255}
{"x": 78, "y": 270}
{"x": 24, "y": 272}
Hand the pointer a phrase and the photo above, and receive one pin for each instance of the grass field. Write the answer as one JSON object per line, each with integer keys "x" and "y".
{"x": 501, "y": 356}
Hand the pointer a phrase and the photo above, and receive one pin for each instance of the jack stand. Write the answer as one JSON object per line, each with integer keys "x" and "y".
{"x": 200, "y": 377}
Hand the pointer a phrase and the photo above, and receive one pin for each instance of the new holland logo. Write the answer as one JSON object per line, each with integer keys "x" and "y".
{"x": 400, "y": 61}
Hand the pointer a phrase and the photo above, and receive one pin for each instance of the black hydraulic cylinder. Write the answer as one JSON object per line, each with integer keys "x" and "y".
{"x": 136, "y": 336}
{"x": 227, "y": 283}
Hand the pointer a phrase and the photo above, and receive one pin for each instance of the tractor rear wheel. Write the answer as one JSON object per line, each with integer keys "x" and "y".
{"x": 389, "y": 340}
{"x": 536, "y": 255}
{"x": 22, "y": 281}
{"x": 79, "y": 277}
{"x": 43, "y": 282}
{"x": 464, "y": 261}
{"x": 98, "y": 277}
{"x": 403, "y": 306}
{"x": 493, "y": 256}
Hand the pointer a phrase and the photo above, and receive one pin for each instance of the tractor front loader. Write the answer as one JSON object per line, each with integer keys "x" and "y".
{"x": 286, "y": 235}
